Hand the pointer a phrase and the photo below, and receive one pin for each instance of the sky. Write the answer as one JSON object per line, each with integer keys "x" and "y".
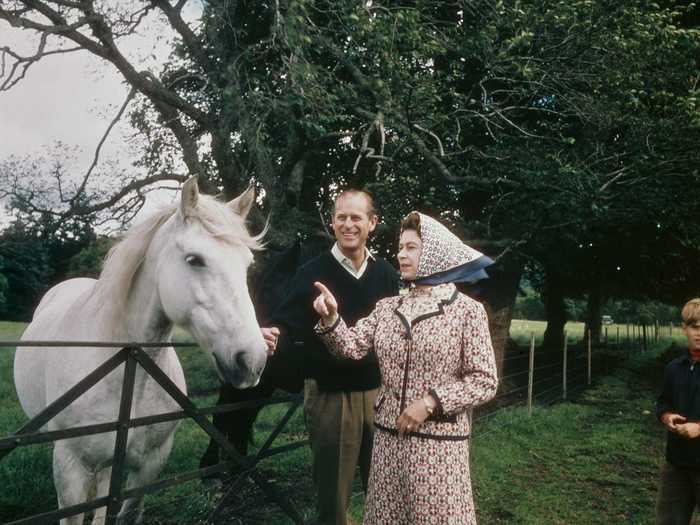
{"x": 72, "y": 97}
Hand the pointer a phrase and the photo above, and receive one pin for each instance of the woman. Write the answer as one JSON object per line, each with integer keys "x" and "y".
{"x": 436, "y": 361}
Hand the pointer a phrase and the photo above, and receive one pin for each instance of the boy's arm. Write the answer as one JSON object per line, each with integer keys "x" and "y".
{"x": 664, "y": 403}
{"x": 665, "y": 410}
{"x": 688, "y": 430}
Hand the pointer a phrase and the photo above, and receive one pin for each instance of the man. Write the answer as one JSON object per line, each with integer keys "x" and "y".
{"x": 678, "y": 408}
{"x": 339, "y": 395}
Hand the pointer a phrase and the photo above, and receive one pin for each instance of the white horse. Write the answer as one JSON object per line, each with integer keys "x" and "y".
{"x": 186, "y": 266}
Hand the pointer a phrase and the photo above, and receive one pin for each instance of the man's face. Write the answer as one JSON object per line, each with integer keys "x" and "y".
{"x": 692, "y": 332}
{"x": 352, "y": 222}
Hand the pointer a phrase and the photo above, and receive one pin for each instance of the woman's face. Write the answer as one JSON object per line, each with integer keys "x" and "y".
{"x": 410, "y": 248}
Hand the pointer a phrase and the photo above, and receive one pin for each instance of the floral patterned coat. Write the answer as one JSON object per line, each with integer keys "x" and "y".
{"x": 433, "y": 341}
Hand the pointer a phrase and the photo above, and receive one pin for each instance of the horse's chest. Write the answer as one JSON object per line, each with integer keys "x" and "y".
{"x": 102, "y": 406}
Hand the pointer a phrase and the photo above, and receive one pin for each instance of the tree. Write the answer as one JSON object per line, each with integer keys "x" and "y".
{"x": 26, "y": 270}
{"x": 88, "y": 261}
{"x": 3, "y": 284}
{"x": 529, "y": 126}
{"x": 616, "y": 179}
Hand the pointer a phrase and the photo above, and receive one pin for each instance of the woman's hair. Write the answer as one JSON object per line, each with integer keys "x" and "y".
{"x": 411, "y": 222}
{"x": 691, "y": 312}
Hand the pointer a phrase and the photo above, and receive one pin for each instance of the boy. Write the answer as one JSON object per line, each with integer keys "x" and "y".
{"x": 678, "y": 409}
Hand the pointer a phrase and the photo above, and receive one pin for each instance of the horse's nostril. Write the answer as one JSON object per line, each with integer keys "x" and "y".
{"x": 241, "y": 361}
{"x": 219, "y": 368}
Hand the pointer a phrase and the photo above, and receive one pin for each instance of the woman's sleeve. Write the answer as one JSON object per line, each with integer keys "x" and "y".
{"x": 350, "y": 343}
{"x": 477, "y": 375}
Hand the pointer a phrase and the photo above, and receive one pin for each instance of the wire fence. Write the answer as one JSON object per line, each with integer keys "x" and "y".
{"x": 543, "y": 376}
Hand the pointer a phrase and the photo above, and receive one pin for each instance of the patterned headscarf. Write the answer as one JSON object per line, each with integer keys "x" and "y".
{"x": 445, "y": 258}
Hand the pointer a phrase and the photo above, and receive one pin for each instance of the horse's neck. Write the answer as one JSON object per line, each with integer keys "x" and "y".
{"x": 145, "y": 321}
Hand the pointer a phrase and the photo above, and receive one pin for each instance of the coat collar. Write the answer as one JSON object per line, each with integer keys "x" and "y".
{"x": 418, "y": 305}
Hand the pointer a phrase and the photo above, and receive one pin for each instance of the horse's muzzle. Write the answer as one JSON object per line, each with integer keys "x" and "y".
{"x": 243, "y": 371}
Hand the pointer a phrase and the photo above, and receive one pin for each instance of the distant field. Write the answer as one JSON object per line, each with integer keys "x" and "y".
{"x": 521, "y": 329}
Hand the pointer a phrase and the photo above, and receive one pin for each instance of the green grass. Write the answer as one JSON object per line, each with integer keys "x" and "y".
{"x": 590, "y": 461}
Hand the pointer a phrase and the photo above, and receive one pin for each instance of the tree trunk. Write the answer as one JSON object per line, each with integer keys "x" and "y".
{"x": 498, "y": 295}
{"x": 594, "y": 312}
{"x": 555, "y": 310}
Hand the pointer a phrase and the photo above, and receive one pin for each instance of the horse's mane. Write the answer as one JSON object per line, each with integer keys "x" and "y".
{"x": 124, "y": 260}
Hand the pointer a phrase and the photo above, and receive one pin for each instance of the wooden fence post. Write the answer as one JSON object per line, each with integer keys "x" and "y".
{"x": 588, "y": 355}
{"x": 563, "y": 370}
{"x": 644, "y": 337}
{"x": 563, "y": 384}
{"x": 530, "y": 374}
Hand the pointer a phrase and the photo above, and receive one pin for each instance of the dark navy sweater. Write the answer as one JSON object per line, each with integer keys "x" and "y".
{"x": 356, "y": 298}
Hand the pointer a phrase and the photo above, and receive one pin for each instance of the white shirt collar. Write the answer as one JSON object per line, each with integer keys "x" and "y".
{"x": 347, "y": 263}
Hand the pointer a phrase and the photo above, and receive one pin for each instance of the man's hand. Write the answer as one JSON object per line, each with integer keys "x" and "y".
{"x": 688, "y": 430}
{"x": 325, "y": 305}
{"x": 270, "y": 336}
{"x": 671, "y": 421}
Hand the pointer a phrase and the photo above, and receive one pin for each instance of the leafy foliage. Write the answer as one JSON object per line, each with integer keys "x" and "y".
{"x": 26, "y": 271}
{"x": 561, "y": 133}
{"x": 88, "y": 261}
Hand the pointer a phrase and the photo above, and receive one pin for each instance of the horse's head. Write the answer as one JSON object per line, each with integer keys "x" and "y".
{"x": 202, "y": 282}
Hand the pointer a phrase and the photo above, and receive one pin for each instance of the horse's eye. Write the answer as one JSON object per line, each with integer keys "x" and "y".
{"x": 195, "y": 260}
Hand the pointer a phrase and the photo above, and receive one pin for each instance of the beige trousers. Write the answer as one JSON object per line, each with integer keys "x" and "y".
{"x": 341, "y": 429}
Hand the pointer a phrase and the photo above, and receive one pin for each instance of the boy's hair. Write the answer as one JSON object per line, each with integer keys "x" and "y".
{"x": 691, "y": 312}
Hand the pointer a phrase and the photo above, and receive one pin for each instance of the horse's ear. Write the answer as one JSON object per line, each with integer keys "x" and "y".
{"x": 242, "y": 204}
{"x": 188, "y": 197}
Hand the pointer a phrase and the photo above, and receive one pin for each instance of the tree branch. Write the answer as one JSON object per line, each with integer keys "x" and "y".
{"x": 437, "y": 139}
{"x": 135, "y": 185}
{"x": 173, "y": 13}
{"x": 116, "y": 119}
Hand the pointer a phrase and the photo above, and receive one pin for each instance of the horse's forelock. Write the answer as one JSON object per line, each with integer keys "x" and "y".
{"x": 220, "y": 222}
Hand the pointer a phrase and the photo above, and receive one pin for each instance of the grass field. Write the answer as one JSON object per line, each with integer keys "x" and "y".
{"x": 586, "y": 462}
{"x": 520, "y": 331}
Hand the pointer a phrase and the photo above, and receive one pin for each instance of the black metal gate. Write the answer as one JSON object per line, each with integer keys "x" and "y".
{"x": 132, "y": 355}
